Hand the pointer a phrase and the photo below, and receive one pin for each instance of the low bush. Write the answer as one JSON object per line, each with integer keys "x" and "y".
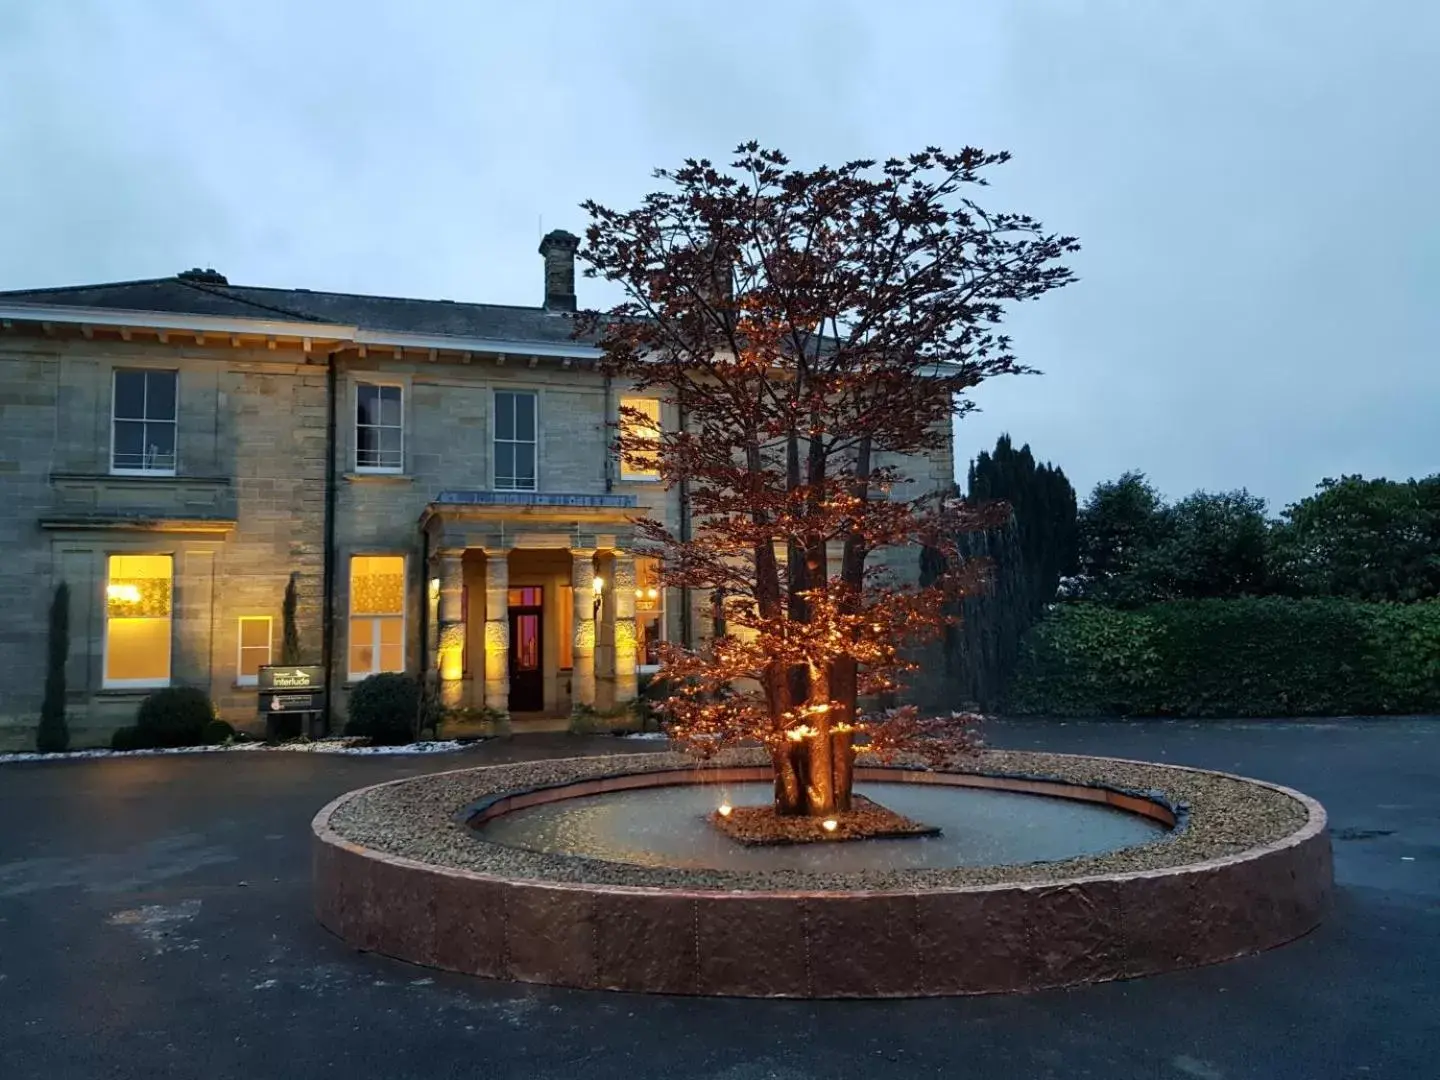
{"x": 385, "y": 709}
{"x": 175, "y": 716}
{"x": 1263, "y": 657}
{"x": 126, "y": 738}
{"x": 218, "y": 731}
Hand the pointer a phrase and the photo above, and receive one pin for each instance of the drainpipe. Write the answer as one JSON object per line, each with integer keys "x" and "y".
{"x": 327, "y": 618}
{"x": 609, "y": 465}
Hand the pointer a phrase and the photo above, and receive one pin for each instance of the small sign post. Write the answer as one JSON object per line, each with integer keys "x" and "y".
{"x": 292, "y": 698}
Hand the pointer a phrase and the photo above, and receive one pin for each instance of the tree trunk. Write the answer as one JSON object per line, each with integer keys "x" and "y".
{"x": 789, "y": 793}
{"x": 842, "y": 753}
{"x": 820, "y": 775}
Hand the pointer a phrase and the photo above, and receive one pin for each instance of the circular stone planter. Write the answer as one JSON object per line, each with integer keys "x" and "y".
{"x": 398, "y": 870}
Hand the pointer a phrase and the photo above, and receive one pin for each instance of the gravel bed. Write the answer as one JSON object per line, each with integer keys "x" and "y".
{"x": 419, "y": 819}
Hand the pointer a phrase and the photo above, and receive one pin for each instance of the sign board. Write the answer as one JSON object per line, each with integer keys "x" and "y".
{"x": 291, "y": 688}
{"x": 535, "y": 498}
{"x": 292, "y": 677}
{"x": 302, "y": 702}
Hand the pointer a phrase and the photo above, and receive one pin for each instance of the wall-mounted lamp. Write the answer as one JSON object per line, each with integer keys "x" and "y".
{"x": 598, "y": 587}
{"x": 434, "y": 588}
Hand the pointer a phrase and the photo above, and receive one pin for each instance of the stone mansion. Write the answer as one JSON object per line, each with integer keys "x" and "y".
{"x": 435, "y": 476}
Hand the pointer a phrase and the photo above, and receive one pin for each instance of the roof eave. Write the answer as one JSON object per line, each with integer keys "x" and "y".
{"x": 456, "y": 343}
{"x": 168, "y": 320}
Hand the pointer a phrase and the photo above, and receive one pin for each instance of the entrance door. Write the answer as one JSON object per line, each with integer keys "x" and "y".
{"x": 527, "y": 672}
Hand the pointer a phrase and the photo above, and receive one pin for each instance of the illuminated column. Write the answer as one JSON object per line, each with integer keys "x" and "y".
{"x": 624, "y": 635}
{"x": 497, "y": 630}
{"x": 582, "y": 582}
{"x": 450, "y": 653}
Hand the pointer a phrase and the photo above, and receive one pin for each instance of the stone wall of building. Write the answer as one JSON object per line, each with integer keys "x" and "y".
{"x": 246, "y": 509}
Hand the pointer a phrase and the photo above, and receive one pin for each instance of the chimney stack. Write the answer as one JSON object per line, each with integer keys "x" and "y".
{"x": 559, "y": 249}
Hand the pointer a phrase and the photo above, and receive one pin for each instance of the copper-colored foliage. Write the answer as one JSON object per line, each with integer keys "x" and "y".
{"x": 817, "y": 330}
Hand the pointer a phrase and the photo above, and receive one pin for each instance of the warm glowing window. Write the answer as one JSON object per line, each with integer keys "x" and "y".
{"x": 514, "y": 441}
{"x": 142, "y": 422}
{"x": 254, "y": 648}
{"x": 566, "y": 613}
{"x": 641, "y": 464}
{"x": 137, "y": 620}
{"x": 379, "y": 428}
{"x": 377, "y": 614}
{"x": 649, "y": 612}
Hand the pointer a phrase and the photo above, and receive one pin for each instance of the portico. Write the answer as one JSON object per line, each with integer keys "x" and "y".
{"x": 532, "y": 600}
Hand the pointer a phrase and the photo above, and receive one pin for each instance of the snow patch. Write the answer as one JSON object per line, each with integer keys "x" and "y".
{"x": 159, "y": 925}
{"x": 647, "y": 735}
{"x": 316, "y": 746}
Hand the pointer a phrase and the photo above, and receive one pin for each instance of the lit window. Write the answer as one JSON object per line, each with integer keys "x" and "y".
{"x": 377, "y": 614}
{"x": 514, "y": 441}
{"x": 644, "y": 463}
{"x": 254, "y": 648}
{"x": 649, "y": 612}
{"x": 142, "y": 427}
{"x": 379, "y": 428}
{"x": 137, "y": 620}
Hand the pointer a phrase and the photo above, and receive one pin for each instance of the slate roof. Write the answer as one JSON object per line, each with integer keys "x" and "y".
{"x": 176, "y": 295}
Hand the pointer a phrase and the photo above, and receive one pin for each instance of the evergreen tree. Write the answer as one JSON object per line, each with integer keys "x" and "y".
{"x": 53, "y": 735}
{"x": 289, "y": 632}
{"x": 1023, "y": 559}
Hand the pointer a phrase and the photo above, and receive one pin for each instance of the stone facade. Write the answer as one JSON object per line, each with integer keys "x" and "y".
{"x": 246, "y": 507}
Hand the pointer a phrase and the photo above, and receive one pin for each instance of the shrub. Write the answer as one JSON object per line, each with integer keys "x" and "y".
{"x": 1256, "y": 657}
{"x": 218, "y": 731}
{"x": 175, "y": 716}
{"x": 126, "y": 738}
{"x": 53, "y": 734}
{"x": 384, "y": 709}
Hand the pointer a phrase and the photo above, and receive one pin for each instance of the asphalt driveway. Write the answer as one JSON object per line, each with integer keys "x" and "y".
{"x": 155, "y": 920}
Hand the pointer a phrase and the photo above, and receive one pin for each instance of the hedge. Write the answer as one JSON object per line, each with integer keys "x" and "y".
{"x": 1263, "y": 657}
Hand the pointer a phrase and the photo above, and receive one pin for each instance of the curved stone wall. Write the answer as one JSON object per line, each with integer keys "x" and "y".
{"x": 866, "y": 944}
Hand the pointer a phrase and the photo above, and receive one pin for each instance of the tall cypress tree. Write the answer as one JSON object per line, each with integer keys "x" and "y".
{"x": 1025, "y": 559}
{"x": 53, "y": 734}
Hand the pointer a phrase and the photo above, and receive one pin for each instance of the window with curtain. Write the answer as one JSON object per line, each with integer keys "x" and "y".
{"x": 377, "y": 614}
{"x": 379, "y": 428}
{"x": 644, "y": 465}
{"x": 137, "y": 620}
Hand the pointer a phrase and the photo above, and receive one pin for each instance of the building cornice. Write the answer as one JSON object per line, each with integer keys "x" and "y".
{"x": 317, "y": 335}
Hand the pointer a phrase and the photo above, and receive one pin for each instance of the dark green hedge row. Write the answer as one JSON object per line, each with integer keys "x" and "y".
{"x": 1263, "y": 657}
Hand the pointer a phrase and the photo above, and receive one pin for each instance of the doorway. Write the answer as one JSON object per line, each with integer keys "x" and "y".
{"x": 527, "y": 637}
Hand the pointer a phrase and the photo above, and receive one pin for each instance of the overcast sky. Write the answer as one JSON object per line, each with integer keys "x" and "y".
{"x": 1255, "y": 182}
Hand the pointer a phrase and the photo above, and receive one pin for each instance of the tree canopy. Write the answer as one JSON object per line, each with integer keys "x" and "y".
{"x": 818, "y": 330}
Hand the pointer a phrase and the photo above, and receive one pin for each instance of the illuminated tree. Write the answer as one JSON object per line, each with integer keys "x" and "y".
{"x": 816, "y": 330}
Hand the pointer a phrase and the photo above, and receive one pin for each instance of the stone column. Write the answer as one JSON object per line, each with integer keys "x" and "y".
{"x": 582, "y": 582}
{"x": 497, "y": 630}
{"x": 625, "y": 637}
{"x": 450, "y": 645}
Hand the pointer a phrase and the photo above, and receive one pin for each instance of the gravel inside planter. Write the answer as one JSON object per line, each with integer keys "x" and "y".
{"x": 760, "y": 826}
{"x": 420, "y": 819}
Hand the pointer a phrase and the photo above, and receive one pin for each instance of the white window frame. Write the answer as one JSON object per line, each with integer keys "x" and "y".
{"x": 107, "y": 683}
{"x": 533, "y": 443}
{"x": 374, "y": 620}
{"x": 174, "y": 421}
{"x": 399, "y": 388}
{"x": 242, "y": 679}
{"x": 627, "y": 474}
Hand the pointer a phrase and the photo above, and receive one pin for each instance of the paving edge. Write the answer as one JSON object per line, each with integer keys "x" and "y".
{"x": 812, "y": 944}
